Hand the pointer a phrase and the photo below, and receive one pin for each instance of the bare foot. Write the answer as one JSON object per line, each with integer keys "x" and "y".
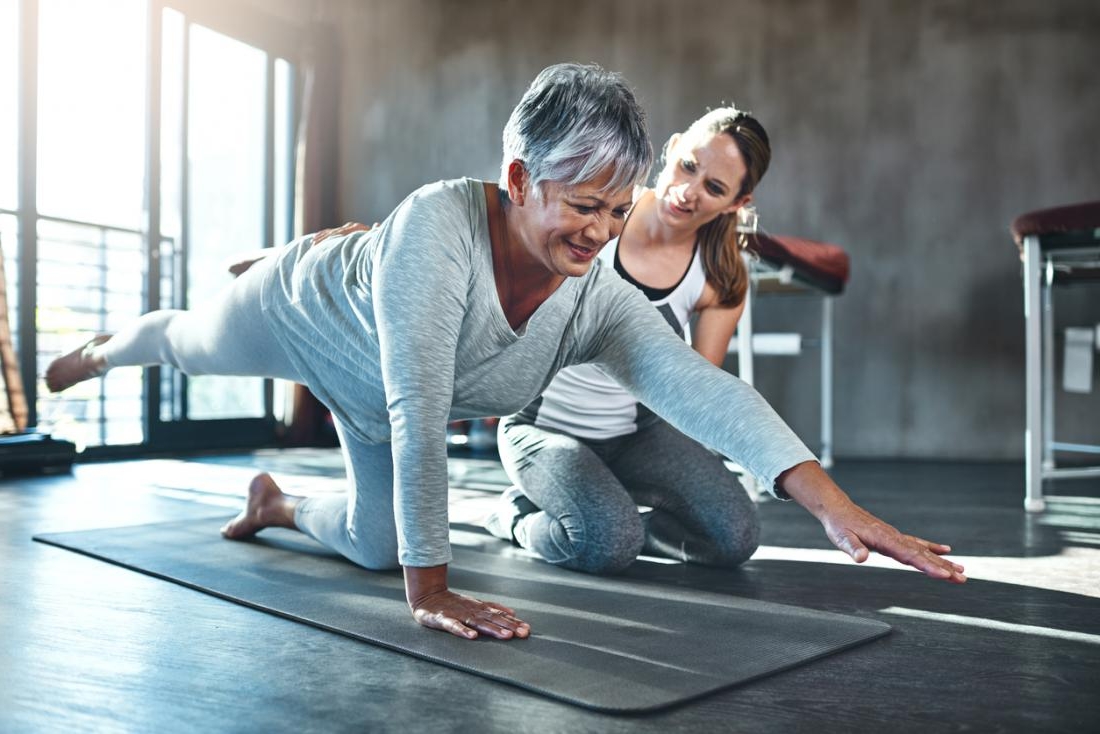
{"x": 267, "y": 507}
{"x": 76, "y": 366}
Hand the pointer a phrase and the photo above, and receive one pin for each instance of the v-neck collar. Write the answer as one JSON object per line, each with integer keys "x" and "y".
{"x": 491, "y": 203}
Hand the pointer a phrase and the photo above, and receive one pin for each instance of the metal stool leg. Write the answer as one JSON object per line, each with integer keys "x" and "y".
{"x": 744, "y": 363}
{"x": 1046, "y": 338}
{"x": 744, "y": 331}
{"x": 827, "y": 382}
{"x": 1033, "y": 437}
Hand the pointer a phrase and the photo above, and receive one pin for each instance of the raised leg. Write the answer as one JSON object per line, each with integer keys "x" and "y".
{"x": 83, "y": 363}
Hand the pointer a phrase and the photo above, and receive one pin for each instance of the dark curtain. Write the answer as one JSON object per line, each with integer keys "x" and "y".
{"x": 318, "y": 150}
{"x": 13, "y": 402}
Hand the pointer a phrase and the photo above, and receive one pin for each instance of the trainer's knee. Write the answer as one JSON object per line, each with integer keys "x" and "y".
{"x": 740, "y": 540}
{"x": 608, "y": 547}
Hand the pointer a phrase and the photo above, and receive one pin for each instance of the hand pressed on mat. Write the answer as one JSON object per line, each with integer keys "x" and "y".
{"x": 435, "y": 606}
{"x": 857, "y": 532}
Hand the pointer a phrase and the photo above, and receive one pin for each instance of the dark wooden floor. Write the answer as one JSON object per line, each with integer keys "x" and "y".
{"x": 86, "y": 646}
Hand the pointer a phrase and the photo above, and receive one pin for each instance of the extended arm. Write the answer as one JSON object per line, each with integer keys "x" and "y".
{"x": 723, "y": 412}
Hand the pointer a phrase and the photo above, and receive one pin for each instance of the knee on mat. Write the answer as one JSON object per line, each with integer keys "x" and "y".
{"x": 742, "y": 540}
{"x": 610, "y": 550}
{"x": 375, "y": 556}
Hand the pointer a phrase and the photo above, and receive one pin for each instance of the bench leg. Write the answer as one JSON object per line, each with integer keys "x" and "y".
{"x": 827, "y": 382}
{"x": 1033, "y": 436}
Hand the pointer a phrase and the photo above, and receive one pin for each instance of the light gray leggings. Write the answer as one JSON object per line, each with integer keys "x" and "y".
{"x": 589, "y": 491}
{"x": 230, "y": 335}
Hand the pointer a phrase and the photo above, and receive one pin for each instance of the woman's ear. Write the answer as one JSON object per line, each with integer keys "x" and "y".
{"x": 518, "y": 182}
{"x": 737, "y": 204}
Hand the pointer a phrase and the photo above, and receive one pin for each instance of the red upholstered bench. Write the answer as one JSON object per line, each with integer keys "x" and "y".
{"x": 784, "y": 264}
{"x": 1057, "y": 246}
{"x": 817, "y": 264}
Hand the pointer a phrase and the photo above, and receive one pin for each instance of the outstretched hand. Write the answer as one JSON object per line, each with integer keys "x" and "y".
{"x": 434, "y": 605}
{"x": 857, "y": 532}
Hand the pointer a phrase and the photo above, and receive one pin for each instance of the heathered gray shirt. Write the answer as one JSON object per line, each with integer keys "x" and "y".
{"x": 399, "y": 329}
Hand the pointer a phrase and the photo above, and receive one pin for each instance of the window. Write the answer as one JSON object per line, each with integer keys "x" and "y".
{"x": 225, "y": 126}
{"x": 90, "y": 188}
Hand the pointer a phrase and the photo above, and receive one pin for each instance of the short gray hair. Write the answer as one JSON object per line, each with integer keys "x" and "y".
{"x": 573, "y": 123}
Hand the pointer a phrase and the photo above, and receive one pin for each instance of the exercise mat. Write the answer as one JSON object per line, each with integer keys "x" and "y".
{"x": 609, "y": 644}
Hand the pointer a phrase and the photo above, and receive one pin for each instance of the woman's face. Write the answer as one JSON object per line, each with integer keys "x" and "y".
{"x": 700, "y": 180}
{"x": 565, "y": 227}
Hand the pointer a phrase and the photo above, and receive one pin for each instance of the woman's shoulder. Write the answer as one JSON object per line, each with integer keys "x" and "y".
{"x": 605, "y": 289}
{"x": 451, "y": 207}
{"x": 449, "y": 192}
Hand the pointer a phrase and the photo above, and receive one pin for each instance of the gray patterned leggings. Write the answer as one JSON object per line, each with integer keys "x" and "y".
{"x": 588, "y": 493}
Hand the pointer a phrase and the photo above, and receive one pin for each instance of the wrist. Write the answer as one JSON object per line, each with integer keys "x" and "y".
{"x": 809, "y": 485}
{"x": 421, "y": 583}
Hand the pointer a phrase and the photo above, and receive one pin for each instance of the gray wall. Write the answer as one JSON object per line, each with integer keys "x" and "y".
{"x": 909, "y": 131}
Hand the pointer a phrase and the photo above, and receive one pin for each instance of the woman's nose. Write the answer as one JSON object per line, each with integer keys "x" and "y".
{"x": 599, "y": 230}
{"x": 690, "y": 191}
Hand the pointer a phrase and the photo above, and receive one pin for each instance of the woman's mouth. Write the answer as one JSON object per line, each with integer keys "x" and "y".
{"x": 678, "y": 210}
{"x": 581, "y": 253}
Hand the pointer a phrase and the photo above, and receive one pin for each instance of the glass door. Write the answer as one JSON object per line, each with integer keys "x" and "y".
{"x": 226, "y": 170}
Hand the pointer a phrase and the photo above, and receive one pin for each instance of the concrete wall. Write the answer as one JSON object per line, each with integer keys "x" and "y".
{"x": 909, "y": 131}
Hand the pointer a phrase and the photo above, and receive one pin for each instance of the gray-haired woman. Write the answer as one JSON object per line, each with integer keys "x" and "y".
{"x": 463, "y": 303}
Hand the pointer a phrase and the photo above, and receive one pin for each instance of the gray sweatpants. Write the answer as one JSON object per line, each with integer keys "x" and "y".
{"x": 588, "y": 493}
{"x": 229, "y": 335}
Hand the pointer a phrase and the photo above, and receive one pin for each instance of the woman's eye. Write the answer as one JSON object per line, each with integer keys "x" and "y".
{"x": 687, "y": 165}
{"x": 714, "y": 190}
{"x": 619, "y": 213}
{"x": 584, "y": 209}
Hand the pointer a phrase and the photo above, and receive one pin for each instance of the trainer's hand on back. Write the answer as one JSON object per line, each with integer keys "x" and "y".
{"x": 343, "y": 229}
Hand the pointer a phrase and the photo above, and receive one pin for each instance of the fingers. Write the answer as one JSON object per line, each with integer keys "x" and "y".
{"x": 937, "y": 548}
{"x": 499, "y": 624}
{"x": 864, "y": 533}
{"x": 924, "y": 556}
{"x": 850, "y": 544}
{"x": 465, "y": 617}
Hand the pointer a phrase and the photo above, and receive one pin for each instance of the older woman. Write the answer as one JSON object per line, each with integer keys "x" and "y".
{"x": 464, "y": 302}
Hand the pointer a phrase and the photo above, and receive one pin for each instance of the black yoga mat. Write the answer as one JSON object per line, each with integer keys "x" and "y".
{"x": 609, "y": 644}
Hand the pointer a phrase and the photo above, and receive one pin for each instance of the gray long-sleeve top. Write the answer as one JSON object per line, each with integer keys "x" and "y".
{"x": 399, "y": 329}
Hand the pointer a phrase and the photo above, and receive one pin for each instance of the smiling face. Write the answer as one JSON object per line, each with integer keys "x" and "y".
{"x": 563, "y": 228}
{"x": 700, "y": 180}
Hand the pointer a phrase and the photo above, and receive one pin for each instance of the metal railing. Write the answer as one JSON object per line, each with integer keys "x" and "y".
{"x": 91, "y": 279}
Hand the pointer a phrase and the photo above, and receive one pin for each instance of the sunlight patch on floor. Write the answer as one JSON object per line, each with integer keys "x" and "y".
{"x": 1073, "y": 570}
{"x": 1026, "y": 629}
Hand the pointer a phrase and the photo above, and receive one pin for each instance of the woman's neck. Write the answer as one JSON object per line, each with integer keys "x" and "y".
{"x": 645, "y": 230}
{"x": 523, "y": 283}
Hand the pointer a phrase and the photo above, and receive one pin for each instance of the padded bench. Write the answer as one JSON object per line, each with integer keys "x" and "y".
{"x": 794, "y": 265}
{"x": 1058, "y": 246}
